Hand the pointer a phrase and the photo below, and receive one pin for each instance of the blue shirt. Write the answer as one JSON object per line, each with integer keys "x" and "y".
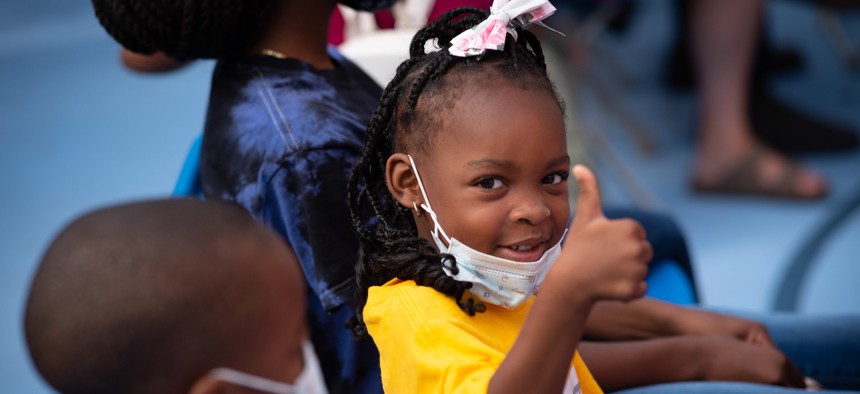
{"x": 281, "y": 139}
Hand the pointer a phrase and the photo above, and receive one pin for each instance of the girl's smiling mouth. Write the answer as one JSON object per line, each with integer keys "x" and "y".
{"x": 524, "y": 252}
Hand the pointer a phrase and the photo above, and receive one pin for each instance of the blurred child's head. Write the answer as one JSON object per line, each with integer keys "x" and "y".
{"x": 190, "y": 29}
{"x": 488, "y": 142}
{"x": 203, "y": 29}
{"x": 150, "y": 297}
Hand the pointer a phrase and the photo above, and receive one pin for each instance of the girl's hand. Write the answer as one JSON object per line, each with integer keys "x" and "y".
{"x": 698, "y": 322}
{"x": 729, "y": 359}
{"x": 605, "y": 258}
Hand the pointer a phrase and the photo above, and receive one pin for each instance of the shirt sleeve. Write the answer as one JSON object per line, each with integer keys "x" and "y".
{"x": 420, "y": 354}
{"x": 305, "y": 200}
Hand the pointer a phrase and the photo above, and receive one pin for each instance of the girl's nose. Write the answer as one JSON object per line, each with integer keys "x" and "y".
{"x": 530, "y": 210}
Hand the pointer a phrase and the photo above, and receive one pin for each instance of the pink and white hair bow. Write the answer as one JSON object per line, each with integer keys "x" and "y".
{"x": 505, "y": 16}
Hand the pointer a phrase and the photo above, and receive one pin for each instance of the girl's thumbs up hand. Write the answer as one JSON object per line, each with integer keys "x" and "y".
{"x": 605, "y": 258}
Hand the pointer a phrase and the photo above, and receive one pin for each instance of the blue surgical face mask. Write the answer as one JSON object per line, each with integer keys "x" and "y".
{"x": 310, "y": 380}
{"x": 495, "y": 280}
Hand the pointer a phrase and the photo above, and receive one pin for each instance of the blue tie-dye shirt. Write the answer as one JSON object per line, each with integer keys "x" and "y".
{"x": 281, "y": 139}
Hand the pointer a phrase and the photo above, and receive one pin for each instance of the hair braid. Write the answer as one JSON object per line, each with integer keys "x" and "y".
{"x": 392, "y": 249}
{"x": 188, "y": 29}
{"x": 405, "y": 120}
{"x": 536, "y": 49}
{"x": 438, "y": 66}
{"x": 188, "y": 26}
{"x": 157, "y": 24}
{"x": 114, "y": 14}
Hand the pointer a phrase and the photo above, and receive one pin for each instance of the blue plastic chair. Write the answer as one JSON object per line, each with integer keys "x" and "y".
{"x": 667, "y": 281}
{"x": 188, "y": 183}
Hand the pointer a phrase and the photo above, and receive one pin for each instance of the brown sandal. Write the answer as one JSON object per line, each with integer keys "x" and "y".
{"x": 744, "y": 180}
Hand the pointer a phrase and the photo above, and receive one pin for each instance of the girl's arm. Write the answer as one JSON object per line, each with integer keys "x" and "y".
{"x": 651, "y": 318}
{"x": 620, "y": 365}
{"x": 639, "y": 319}
{"x": 601, "y": 259}
{"x": 540, "y": 358}
{"x": 627, "y": 364}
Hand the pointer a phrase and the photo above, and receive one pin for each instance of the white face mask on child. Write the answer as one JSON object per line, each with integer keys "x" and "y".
{"x": 310, "y": 380}
{"x": 495, "y": 280}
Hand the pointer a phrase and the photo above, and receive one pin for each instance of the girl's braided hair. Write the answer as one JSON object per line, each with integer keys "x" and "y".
{"x": 184, "y": 29}
{"x": 424, "y": 90}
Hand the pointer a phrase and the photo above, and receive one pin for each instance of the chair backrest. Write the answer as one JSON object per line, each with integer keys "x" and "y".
{"x": 188, "y": 183}
{"x": 668, "y": 281}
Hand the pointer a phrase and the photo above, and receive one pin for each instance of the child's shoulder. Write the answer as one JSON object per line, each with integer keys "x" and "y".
{"x": 407, "y": 296}
{"x": 398, "y": 288}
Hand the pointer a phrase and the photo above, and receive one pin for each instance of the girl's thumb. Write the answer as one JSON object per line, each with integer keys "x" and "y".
{"x": 588, "y": 201}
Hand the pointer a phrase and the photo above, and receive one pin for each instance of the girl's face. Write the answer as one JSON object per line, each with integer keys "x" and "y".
{"x": 496, "y": 175}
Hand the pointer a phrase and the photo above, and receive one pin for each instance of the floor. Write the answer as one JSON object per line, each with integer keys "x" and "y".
{"x": 106, "y": 135}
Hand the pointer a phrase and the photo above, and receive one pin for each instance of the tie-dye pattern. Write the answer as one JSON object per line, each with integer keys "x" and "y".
{"x": 281, "y": 139}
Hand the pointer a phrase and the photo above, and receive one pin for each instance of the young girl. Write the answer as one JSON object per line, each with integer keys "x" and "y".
{"x": 465, "y": 172}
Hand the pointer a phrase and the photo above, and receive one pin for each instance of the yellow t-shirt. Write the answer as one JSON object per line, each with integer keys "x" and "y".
{"x": 427, "y": 344}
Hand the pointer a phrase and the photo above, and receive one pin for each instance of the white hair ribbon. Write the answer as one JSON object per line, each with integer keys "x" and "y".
{"x": 505, "y": 17}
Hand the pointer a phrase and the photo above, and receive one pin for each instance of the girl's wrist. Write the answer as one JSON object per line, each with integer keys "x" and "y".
{"x": 698, "y": 351}
{"x": 700, "y": 322}
{"x": 569, "y": 292}
{"x": 678, "y": 320}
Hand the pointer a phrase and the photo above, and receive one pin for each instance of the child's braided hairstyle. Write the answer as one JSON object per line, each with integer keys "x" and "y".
{"x": 424, "y": 90}
{"x": 184, "y": 29}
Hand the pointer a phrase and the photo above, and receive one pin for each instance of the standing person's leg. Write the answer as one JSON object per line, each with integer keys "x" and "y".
{"x": 729, "y": 158}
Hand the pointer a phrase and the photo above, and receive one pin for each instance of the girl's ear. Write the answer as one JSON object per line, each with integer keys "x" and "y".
{"x": 401, "y": 180}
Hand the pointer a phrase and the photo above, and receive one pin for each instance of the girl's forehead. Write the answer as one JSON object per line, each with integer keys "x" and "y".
{"x": 501, "y": 105}
{"x": 499, "y": 119}
{"x": 464, "y": 102}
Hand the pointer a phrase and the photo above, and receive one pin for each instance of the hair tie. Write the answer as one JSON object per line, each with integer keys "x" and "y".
{"x": 505, "y": 17}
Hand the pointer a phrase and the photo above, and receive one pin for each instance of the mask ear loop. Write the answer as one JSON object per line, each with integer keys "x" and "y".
{"x": 311, "y": 368}
{"x": 251, "y": 381}
{"x": 437, "y": 229}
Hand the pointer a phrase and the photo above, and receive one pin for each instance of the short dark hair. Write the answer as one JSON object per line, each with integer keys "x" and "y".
{"x": 146, "y": 297}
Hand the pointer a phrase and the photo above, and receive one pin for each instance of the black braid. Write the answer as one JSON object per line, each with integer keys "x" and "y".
{"x": 186, "y": 29}
{"x": 403, "y": 122}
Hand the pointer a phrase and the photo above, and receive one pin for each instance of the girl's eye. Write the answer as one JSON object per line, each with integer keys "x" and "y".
{"x": 489, "y": 183}
{"x": 555, "y": 178}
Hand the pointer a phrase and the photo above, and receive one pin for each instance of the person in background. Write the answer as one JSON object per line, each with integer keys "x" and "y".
{"x": 285, "y": 122}
{"x": 729, "y": 157}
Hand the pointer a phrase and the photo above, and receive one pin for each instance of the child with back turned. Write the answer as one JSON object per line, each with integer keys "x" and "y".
{"x": 465, "y": 170}
{"x": 170, "y": 296}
